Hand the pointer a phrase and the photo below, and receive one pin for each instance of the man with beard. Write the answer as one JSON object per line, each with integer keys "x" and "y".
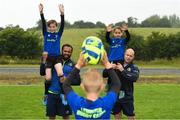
{"x": 54, "y": 95}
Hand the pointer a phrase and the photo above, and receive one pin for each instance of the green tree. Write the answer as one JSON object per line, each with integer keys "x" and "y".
{"x": 151, "y": 21}
{"x": 100, "y": 25}
{"x": 164, "y": 22}
{"x": 137, "y": 42}
{"x": 174, "y": 20}
{"x": 132, "y": 22}
{"x": 20, "y": 43}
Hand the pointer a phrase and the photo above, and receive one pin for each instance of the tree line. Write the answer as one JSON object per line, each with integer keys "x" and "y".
{"x": 172, "y": 21}
{"x": 18, "y": 43}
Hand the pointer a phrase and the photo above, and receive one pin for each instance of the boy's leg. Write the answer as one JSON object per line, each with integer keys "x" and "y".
{"x": 46, "y": 88}
{"x": 116, "y": 111}
{"x": 47, "y": 82}
{"x": 59, "y": 69}
{"x": 118, "y": 116}
{"x": 131, "y": 117}
{"x": 48, "y": 74}
{"x": 63, "y": 110}
{"x": 51, "y": 107}
{"x": 128, "y": 110}
{"x": 44, "y": 57}
{"x": 49, "y": 66}
{"x": 52, "y": 118}
{"x": 66, "y": 118}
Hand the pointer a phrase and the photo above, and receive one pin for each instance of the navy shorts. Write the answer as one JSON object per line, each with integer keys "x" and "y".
{"x": 52, "y": 60}
{"x": 55, "y": 107}
{"x": 117, "y": 61}
{"x": 127, "y": 108}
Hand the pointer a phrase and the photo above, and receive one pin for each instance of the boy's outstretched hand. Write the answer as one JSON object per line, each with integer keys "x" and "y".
{"x": 41, "y": 8}
{"x": 109, "y": 28}
{"x": 81, "y": 61}
{"x": 61, "y": 9}
{"x": 124, "y": 27}
{"x": 105, "y": 61}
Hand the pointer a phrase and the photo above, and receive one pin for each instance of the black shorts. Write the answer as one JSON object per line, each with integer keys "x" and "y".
{"x": 52, "y": 60}
{"x": 126, "y": 108}
{"x": 55, "y": 107}
{"x": 117, "y": 61}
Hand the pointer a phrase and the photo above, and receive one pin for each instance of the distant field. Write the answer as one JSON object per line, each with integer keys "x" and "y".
{"x": 147, "y": 31}
{"x": 152, "y": 101}
{"x": 75, "y": 37}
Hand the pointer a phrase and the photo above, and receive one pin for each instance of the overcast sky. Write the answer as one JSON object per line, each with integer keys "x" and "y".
{"x": 25, "y": 12}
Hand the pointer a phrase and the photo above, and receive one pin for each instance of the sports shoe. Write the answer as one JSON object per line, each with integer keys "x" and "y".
{"x": 45, "y": 100}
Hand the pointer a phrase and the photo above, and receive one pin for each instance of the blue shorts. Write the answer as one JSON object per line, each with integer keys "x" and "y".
{"x": 127, "y": 108}
{"x": 55, "y": 107}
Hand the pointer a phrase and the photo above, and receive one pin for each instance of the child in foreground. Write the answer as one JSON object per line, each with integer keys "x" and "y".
{"x": 93, "y": 106}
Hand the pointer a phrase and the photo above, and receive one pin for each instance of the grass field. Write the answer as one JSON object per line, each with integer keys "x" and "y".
{"x": 152, "y": 101}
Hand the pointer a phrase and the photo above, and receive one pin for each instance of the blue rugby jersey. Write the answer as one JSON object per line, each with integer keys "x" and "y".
{"x": 68, "y": 66}
{"x": 52, "y": 43}
{"x": 86, "y": 109}
{"x": 117, "y": 47}
{"x": 52, "y": 40}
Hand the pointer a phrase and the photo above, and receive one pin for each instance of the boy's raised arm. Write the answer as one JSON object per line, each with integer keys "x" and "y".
{"x": 44, "y": 29}
{"x": 108, "y": 31}
{"x": 125, "y": 29}
{"x": 61, "y": 10}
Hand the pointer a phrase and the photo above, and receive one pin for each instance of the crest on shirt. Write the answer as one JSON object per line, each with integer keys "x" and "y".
{"x": 49, "y": 35}
{"x": 129, "y": 69}
{"x": 70, "y": 64}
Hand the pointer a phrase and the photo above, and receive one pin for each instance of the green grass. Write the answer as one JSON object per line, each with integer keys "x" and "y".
{"x": 152, "y": 101}
{"x": 147, "y": 31}
{"x": 160, "y": 63}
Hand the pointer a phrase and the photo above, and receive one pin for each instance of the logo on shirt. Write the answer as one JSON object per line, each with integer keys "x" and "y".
{"x": 116, "y": 46}
{"x": 70, "y": 64}
{"x": 129, "y": 69}
{"x": 91, "y": 113}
